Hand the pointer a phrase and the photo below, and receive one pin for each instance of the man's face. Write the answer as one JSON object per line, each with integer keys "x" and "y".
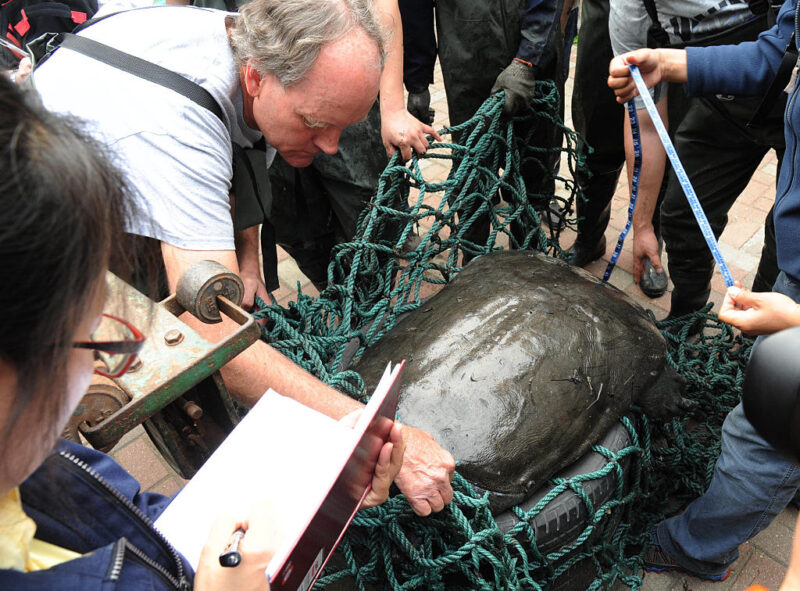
{"x": 307, "y": 118}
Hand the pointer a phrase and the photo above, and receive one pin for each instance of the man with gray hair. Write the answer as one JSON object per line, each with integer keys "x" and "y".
{"x": 296, "y": 71}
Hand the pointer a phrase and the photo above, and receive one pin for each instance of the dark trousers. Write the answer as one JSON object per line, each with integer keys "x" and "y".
{"x": 720, "y": 155}
{"x": 317, "y": 207}
{"x": 599, "y": 119}
{"x": 419, "y": 43}
{"x": 477, "y": 40}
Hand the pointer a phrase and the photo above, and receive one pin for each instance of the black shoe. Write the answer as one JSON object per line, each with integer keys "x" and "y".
{"x": 657, "y": 560}
{"x": 580, "y": 254}
{"x": 653, "y": 284}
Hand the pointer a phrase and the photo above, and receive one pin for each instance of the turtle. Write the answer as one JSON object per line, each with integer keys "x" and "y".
{"x": 522, "y": 363}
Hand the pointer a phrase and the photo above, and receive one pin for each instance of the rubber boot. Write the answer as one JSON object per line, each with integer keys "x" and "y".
{"x": 593, "y": 214}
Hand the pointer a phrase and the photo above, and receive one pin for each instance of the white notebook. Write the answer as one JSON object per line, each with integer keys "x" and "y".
{"x": 312, "y": 469}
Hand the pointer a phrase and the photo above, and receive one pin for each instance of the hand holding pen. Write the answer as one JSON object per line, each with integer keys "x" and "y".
{"x": 250, "y": 541}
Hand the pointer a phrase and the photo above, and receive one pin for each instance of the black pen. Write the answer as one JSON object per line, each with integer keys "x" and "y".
{"x": 231, "y": 556}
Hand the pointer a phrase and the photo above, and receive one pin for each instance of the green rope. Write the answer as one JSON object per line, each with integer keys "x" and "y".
{"x": 386, "y": 269}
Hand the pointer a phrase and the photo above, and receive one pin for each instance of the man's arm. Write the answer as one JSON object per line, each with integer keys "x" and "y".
{"x": 538, "y": 24}
{"x": 645, "y": 242}
{"x": 427, "y": 468}
{"x": 399, "y": 128}
{"x": 248, "y": 247}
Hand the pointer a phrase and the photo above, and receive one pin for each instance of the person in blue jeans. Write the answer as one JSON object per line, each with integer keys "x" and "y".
{"x": 752, "y": 482}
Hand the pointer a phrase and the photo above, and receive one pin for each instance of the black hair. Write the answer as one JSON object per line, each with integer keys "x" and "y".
{"x": 63, "y": 209}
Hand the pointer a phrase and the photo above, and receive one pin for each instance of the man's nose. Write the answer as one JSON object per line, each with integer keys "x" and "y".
{"x": 327, "y": 140}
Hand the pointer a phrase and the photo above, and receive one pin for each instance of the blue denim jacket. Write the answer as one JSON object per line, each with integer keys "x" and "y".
{"x": 84, "y": 501}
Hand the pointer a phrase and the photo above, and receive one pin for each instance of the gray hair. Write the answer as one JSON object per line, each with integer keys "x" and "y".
{"x": 284, "y": 37}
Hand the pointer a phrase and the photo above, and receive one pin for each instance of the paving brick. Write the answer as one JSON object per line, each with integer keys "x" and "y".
{"x": 764, "y": 203}
{"x": 775, "y": 541}
{"x": 737, "y": 233}
{"x": 142, "y": 461}
{"x": 770, "y": 169}
{"x": 764, "y": 177}
{"x": 753, "y": 191}
{"x": 762, "y": 570}
{"x": 290, "y": 274}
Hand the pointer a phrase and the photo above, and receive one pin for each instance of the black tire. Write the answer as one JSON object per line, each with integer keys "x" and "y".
{"x": 565, "y": 517}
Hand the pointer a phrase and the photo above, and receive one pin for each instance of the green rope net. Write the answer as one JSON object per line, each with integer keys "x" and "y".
{"x": 411, "y": 241}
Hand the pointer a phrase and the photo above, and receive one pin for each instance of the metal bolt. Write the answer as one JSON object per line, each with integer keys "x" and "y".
{"x": 173, "y": 337}
{"x": 137, "y": 365}
{"x": 192, "y": 409}
{"x": 218, "y": 286}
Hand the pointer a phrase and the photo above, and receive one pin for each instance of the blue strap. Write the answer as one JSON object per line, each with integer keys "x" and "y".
{"x": 686, "y": 185}
{"x": 637, "y": 172}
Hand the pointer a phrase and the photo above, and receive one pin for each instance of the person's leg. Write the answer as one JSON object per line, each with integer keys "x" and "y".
{"x": 767, "y": 270}
{"x": 302, "y": 219}
{"x": 599, "y": 119}
{"x": 752, "y": 483}
{"x": 539, "y": 168}
{"x": 477, "y": 40}
{"x": 719, "y": 158}
{"x": 317, "y": 207}
{"x": 350, "y": 176}
{"x": 419, "y": 44}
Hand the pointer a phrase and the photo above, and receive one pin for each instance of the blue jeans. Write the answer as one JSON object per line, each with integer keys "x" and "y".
{"x": 752, "y": 483}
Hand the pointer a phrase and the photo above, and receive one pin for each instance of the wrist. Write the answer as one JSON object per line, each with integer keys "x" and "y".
{"x": 673, "y": 64}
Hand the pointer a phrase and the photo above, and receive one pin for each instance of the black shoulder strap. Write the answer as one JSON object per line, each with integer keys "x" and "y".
{"x": 143, "y": 69}
{"x": 780, "y": 81}
{"x": 656, "y": 35}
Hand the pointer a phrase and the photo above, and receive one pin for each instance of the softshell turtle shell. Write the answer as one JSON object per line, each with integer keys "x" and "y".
{"x": 520, "y": 365}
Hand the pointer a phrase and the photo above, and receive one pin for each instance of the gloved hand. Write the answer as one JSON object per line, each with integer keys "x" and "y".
{"x": 520, "y": 85}
{"x": 419, "y": 105}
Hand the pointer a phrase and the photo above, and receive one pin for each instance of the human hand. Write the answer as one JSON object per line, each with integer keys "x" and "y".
{"x": 645, "y": 246}
{"x": 256, "y": 549}
{"x": 419, "y": 105}
{"x": 253, "y": 286}
{"x": 519, "y": 84}
{"x": 390, "y": 460}
{"x": 619, "y": 75}
{"x": 389, "y": 463}
{"x": 426, "y": 473}
{"x": 23, "y": 70}
{"x": 758, "y": 313}
{"x": 401, "y": 130}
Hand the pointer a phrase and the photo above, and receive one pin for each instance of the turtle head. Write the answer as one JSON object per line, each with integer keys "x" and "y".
{"x": 664, "y": 398}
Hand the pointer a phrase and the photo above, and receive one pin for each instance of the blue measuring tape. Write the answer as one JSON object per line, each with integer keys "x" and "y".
{"x": 686, "y": 185}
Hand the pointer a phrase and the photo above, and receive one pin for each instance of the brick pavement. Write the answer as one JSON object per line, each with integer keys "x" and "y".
{"x": 764, "y": 558}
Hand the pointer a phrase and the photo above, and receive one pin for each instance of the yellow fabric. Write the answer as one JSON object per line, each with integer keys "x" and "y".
{"x": 45, "y": 555}
{"x": 16, "y": 532}
{"x": 18, "y": 549}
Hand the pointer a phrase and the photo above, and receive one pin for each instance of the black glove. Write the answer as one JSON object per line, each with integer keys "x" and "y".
{"x": 520, "y": 86}
{"x": 419, "y": 105}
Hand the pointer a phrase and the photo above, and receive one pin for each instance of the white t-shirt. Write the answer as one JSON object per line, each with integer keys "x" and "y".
{"x": 683, "y": 20}
{"x": 176, "y": 154}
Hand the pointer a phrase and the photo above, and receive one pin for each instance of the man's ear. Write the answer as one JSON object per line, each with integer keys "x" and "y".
{"x": 252, "y": 79}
